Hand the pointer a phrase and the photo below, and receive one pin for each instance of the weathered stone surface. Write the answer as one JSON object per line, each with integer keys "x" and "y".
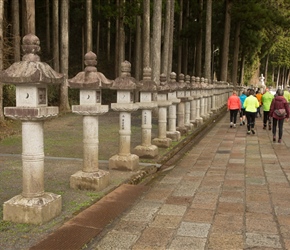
{"x": 35, "y": 210}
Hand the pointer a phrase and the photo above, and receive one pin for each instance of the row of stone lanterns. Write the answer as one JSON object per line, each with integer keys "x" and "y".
{"x": 184, "y": 101}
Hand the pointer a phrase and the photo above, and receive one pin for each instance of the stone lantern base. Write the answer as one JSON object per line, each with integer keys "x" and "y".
{"x": 124, "y": 162}
{"x": 35, "y": 210}
{"x": 90, "y": 181}
{"x": 146, "y": 151}
{"x": 173, "y": 135}
{"x": 162, "y": 143}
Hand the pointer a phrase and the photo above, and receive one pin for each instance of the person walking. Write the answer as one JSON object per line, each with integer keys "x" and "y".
{"x": 243, "y": 97}
{"x": 234, "y": 106}
{"x": 279, "y": 110}
{"x": 259, "y": 97}
{"x": 251, "y": 104}
{"x": 267, "y": 98}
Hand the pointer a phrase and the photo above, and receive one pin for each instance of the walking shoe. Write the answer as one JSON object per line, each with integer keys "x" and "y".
{"x": 253, "y": 131}
{"x": 241, "y": 124}
{"x": 264, "y": 127}
{"x": 279, "y": 140}
{"x": 249, "y": 132}
{"x": 274, "y": 138}
{"x": 244, "y": 123}
{"x": 270, "y": 128}
{"x": 234, "y": 125}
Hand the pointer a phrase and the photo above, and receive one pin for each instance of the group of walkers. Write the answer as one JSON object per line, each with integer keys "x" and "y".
{"x": 249, "y": 103}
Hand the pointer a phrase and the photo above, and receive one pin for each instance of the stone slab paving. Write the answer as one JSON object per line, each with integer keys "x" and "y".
{"x": 230, "y": 191}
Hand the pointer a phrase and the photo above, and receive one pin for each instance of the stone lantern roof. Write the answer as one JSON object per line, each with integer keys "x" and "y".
{"x": 173, "y": 85}
{"x": 125, "y": 81}
{"x": 30, "y": 70}
{"x": 90, "y": 78}
{"x": 147, "y": 84}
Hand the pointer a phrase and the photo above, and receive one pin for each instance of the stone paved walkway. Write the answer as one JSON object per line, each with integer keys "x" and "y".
{"x": 230, "y": 191}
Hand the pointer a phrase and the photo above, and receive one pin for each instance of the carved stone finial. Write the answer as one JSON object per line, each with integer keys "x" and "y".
{"x": 90, "y": 62}
{"x": 30, "y": 48}
{"x": 125, "y": 68}
{"x": 162, "y": 79}
{"x": 172, "y": 76}
{"x": 147, "y": 73}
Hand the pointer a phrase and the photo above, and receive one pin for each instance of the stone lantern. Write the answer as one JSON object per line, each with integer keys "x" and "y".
{"x": 31, "y": 77}
{"x": 163, "y": 104}
{"x": 90, "y": 83}
{"x": 172, "y": 133}
{"x": 146, "y": 88}
{"x": 125, "y": 86}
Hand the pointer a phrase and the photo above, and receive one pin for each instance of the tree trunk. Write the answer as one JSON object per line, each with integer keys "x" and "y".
{"x": 165, "y": 52}
{"x": 121, "y": 35}
{"x": 170, "y": 52}
{"x": 138, "y": 53}
{"x": 185, "y": 49}
{"x": 30, "y": 15}
{"x": 55, "y": 34}
{"x": 1, "y": 56}
{"x": 156, "y": 44}
{"x": 179, "y": 54}
{"x": 226, "y": 42}
{"x": 242, "y": 67}
{"x": 16, "y": 30}
{"x": 117, "y": 38}
{"x": 64, "y": 104}
{"x": 207, "y": 63}
{"x": 146, "y": 33}
{"x": 236, "y": 54}
{"x": 47, "y": 27}
{"x": 266, "y": 68}
{"x": 89, "y": 21}
{"x": 108, "y": 38}
{"x": 199, "y": 43}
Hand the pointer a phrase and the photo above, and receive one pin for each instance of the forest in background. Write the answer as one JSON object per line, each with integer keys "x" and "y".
{"x": 227, "y": 40}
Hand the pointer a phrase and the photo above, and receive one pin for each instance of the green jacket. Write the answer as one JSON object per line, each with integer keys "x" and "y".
{"x": 287, "y": 95}
{"x": 251, "y": 104}
{"x": 267, "y": 100}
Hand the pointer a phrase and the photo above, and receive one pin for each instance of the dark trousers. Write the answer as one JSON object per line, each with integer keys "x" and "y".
{"x": 251, "y": 117}
{"x": 233, "y": 115}
{"x": 266, "y": 118}
{"x": 280, "y": 127}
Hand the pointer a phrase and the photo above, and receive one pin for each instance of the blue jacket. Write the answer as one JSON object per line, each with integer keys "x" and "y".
{"x": 243, "y": 98}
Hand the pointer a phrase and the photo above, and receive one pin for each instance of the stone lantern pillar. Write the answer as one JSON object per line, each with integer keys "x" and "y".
{"x": 199, "y": 119}
{"x": 187, "y": 122}
{"x": 31, "y": 77}
{"x": 172, "y": 133}
{"x": 193, "y": 101}
{"x": 163, "y": 104}
{"x": 125, "y": 85}
{"x": 146, "y": 88}
{"x": 90, "y": 82}
{"x": 181, "y": 106}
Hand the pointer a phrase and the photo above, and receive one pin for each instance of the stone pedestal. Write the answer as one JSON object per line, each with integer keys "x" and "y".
{"x": 33, "y": 206}
{"x": 124, "y": 160}
{"x": 162, "y": 140}
{"x": 172, "y": 133}
{"x": 146, "y": 149}
{"x": 90, "y": 177}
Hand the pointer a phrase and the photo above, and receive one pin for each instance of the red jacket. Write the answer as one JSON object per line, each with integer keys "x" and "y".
{"x": 279, "y": 102}
{"x": 234, "y": 102}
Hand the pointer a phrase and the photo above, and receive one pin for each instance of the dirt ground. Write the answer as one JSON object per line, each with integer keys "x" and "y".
{"x": 63, "y": 149}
